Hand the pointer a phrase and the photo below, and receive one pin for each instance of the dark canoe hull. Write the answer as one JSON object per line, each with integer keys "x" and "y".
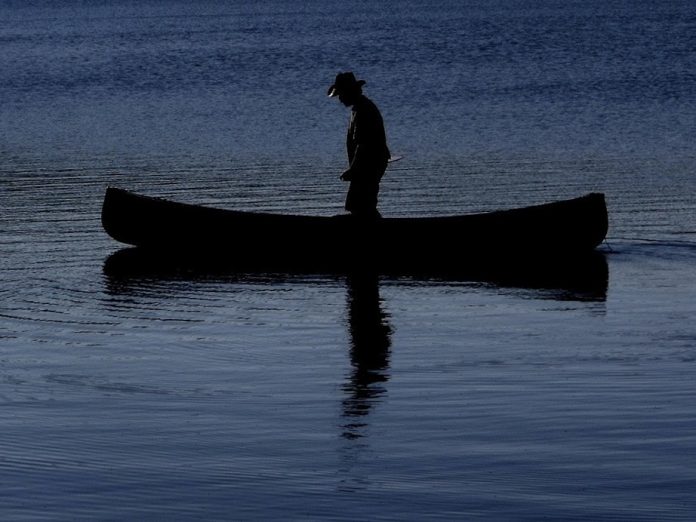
{"x": 563, "y": 228}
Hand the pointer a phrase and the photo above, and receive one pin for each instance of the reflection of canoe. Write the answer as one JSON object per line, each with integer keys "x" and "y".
{"x": 583, "y": 277}
{"x": 564, "y": 227}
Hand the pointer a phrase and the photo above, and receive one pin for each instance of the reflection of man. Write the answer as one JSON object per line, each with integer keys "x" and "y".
{"x": 367, "y": 146}
{"x": 370, "y": 335}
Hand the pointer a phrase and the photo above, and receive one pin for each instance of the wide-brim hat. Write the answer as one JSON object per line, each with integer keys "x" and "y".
{"x": 344, "y": 82}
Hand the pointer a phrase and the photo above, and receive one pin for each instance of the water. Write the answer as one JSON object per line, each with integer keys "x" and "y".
{"x": 261, "y": 396}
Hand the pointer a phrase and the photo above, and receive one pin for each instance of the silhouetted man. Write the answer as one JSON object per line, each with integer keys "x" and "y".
{"x": 368, "y": 154}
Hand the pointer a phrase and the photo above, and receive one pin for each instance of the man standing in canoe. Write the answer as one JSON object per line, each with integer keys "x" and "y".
{"x": 368, "y": 154}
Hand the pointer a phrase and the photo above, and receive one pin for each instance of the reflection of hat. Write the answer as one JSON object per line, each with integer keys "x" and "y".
{"x": 344, "y": 82}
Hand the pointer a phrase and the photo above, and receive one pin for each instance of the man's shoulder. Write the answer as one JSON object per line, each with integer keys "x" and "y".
{"x": 365, "y": 105}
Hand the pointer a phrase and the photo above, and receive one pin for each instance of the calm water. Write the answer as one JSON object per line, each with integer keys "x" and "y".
{"x": 271, "y": 396}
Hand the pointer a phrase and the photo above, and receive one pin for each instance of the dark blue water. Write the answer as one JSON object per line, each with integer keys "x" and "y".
{"x": 267, "y": 396}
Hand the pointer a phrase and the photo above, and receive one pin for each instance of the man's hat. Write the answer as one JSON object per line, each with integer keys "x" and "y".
{"x": 344, "y": 82}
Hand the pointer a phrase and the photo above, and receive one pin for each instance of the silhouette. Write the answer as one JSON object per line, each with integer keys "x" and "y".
{"x": 366, "y": 142}
{"x": 260, "y": 241}
{"x": 370, "y": 335}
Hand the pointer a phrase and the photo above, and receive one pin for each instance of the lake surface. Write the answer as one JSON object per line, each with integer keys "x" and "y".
{"x": 241, "y": 396}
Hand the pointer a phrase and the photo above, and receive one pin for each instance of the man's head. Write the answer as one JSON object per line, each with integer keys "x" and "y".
{"x": 346, "y": 87}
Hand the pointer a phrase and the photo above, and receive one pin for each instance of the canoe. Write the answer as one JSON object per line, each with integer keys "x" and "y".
{"x": 561, "y": 228}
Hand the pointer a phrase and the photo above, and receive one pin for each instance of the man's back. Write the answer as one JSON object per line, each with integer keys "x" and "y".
{"x": 367, "y": 131}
